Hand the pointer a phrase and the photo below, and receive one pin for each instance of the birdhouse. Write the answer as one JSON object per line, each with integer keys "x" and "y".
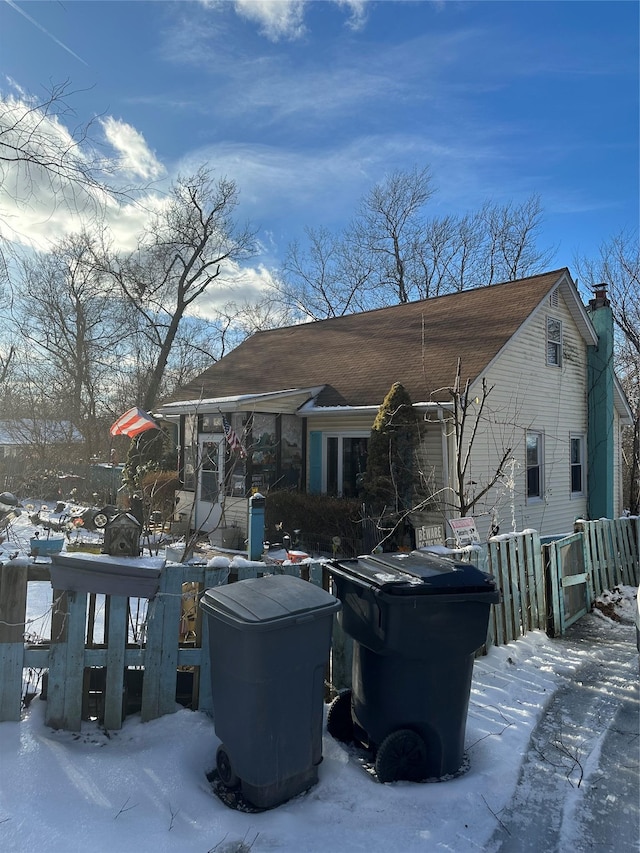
{"x": 122, "y": 536}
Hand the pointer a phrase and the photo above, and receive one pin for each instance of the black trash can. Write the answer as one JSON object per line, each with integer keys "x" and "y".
{"x": 417, "y": 620}
{"x": 269, "y": 641}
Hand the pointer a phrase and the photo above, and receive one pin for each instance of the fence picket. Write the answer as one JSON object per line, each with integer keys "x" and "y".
{"x": 161, "y": 652}
{"x": 114, "y": 682}
{"x": 66, "y": 662}
{"x": 210, "y": 578}
{"x": 497, "y": 614}
{"x": 623, "y": 549}
{"x": 525, "y": 606}
{"x": 518, "y": 564}
{"x": 13, "y": 598}
{"x": 536, "y": 582}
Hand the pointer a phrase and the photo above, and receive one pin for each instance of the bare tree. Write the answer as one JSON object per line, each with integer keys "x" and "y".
{"x": 33, "y": 135}
{"x": 392, "y": 252}
{"x": 5, "y": 363}
{"x": 388, "y": 228}
{"x": 190, "y": 243}
{"x": 238, "y": 320}
{"x": 618, "y": 266}
{"x": 329, "y": 277}
{"x": 47, "y": 162}
{"x": 72, "y": 331}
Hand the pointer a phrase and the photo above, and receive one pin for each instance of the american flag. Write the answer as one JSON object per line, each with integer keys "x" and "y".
{"x": 232, "y": 437}
{"x": 132, "y": 423}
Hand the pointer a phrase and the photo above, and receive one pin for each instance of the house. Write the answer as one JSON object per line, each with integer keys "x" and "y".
{"x": 27, "y": 436}
{"x": 303, "y": 400}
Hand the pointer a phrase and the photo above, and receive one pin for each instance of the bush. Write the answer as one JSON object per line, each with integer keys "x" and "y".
{"x": 159, "y": 488}
{"x": 319, "y": 517}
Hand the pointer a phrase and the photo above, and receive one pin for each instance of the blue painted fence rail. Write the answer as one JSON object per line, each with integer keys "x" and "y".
{"x": 518, "y": 563}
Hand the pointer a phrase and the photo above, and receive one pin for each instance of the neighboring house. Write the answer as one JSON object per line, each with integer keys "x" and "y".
{"x": 33, "y": 437}
{"x": 26, "y": 442}
{"x": 303, "y": 400}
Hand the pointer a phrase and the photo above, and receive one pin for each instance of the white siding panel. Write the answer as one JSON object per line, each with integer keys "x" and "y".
{"x": 525, "y": 394}
{"x": 341, "y": 422}
{"x": 430, "y": 463}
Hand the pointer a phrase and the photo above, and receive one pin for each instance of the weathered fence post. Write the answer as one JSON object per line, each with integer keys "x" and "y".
{"x": 13, "y": 604}
{"x": 116, "y": 630}
{"x": 66, "y": 661}
{"x": 161, "y": 651}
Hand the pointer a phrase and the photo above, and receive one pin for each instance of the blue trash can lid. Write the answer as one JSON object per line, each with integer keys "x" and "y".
{"x": 415, "y": 573}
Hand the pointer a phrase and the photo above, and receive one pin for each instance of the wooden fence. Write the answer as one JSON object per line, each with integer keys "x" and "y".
{"x": 165, "y": 654}
{"x": 612, "y": 549}
{"x": 517, "y": 565}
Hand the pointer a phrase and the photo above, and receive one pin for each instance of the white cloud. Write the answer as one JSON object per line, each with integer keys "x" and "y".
{"x": 136, "y": 158}
{"x": 236, "y": 284}
{"x": 279, "y": 19}
{"x": 49, "y": 177}
{"x": 358, "y": 9}
{"x": 284, "y": 19}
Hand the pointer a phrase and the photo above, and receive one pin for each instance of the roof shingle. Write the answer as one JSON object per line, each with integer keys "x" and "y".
{"x": 359, "y": 356}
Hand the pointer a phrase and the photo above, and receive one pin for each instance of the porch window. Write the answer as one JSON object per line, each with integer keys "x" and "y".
{"x": 263, "y": 452}
{"x": 274, "y": 452}
{"x": 346, "y": 463}
{"x": 210, "y": 423}
{"x": 535, "y": 485}
{"x": 554, "y": 342}
{"x": 577, "y": 464}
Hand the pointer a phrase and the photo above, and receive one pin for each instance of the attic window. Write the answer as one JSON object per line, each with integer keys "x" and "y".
{"x": 554, "y": 342}
{"x": 553, "y": 298}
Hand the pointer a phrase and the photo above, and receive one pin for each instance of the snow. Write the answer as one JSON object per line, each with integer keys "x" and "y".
{"x": 145, "y": 788}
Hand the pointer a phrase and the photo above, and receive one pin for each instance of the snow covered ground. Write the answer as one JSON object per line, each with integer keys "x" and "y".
{"x": 144, "y": 788}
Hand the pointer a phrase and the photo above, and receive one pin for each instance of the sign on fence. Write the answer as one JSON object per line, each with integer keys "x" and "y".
{"x": 433, "y": 535}
{"x": 464, "y": 529}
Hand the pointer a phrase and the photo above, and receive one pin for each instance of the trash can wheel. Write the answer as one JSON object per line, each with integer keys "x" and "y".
{"x": 225, "y": 770}
{"x": 401, "y": 755}
{"x": 339, "y": 719}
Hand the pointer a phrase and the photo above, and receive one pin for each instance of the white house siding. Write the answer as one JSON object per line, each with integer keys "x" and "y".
{"x": 342, "y": 422}
{"x": 431, "y": 469}
{"x": 528, "y": 394}
{"x": 429, "y": 457}
{"x": 236, "y": 513}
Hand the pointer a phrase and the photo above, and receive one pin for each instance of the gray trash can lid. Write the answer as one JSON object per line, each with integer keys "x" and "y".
{"x": 268, "y": 602}
{"x": 415, "y": 573}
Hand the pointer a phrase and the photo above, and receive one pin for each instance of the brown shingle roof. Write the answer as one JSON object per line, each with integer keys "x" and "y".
{"x": 360, "y": 356}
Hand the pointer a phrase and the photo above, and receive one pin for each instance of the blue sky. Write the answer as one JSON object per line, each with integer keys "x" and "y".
{"x": 308, "y": 104}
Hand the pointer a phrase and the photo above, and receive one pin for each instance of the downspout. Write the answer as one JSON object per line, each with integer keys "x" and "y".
{"x": 600, "y": 408}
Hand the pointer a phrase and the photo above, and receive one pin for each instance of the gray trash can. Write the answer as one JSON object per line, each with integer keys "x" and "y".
{"x": 416, "y": 620}
{"x": 269, "y": 641}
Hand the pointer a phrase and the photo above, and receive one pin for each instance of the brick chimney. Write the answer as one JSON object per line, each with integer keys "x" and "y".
{"x": 600, "y": 299}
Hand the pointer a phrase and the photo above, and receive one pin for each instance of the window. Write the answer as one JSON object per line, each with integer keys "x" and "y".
{"x": 274, "y": 453}
{"x": 577, "y": 464}
{"x": 534, "y": 466}
{"x": 554, "y": 342}
{"x": 346, "y": 462}
{"x": 210, "y": 423}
